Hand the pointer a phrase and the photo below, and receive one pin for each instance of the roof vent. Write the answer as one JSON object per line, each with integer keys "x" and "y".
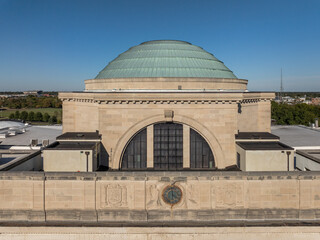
{"x": 80, "y": 135}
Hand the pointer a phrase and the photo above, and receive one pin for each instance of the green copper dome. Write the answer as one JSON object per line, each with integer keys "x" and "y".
{"x": 166, "y": 58}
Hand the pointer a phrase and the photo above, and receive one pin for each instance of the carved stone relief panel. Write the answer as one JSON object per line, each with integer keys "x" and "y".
{"x": 228, "y": 194}
{"x": 153, "y": 192}
{"x": 114, "y": 195}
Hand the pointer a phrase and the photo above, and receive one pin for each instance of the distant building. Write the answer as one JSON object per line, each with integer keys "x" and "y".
{"x": 315, "y": 101}
{"x": 33, "y": 92}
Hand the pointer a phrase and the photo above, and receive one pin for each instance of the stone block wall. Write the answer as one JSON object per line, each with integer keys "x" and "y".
{"x": 118, "y": 116}
{"x": 134, "y": 198}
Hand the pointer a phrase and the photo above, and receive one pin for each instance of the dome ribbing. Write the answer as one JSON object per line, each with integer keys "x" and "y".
{"x": 165, "y": 58}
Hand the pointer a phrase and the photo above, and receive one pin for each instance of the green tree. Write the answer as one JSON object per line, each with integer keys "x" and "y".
{"x": 24, "y": 115}
{"x": 50, "y": 121}
{"x": 11, "y": 116}
{"x": 46, "y": 103}
{"x": 53, "y": 120}
{"x": 17, "y": 115}
{"x": 294, "y": 114}
{"x": 46, "y": 117}
{"x": 31, "y": 116}
{"x": 38, "y": 117}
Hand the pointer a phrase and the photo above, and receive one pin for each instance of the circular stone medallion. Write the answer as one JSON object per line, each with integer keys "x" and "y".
{"x": 172, "y": 194}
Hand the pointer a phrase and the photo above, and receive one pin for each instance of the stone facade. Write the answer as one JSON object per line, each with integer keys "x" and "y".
{"x": 136, "y": 198}
{"x": 157, "y": 233}
{"x": 217, "y": 116}
{"x": 167, "y": 83}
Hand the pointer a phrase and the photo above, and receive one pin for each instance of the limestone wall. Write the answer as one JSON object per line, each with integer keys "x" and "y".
{"x": 255, "y": 117}
{"x": 133, "y": 198}
{"x": 157, "y": 233}
{"x": 166, "y": 83}
{"x": 118, "y": 116}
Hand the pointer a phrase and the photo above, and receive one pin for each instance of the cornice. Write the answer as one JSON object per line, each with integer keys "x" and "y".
{"x": 165, "y": 98}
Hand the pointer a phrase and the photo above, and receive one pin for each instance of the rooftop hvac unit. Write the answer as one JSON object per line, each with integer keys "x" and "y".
{"x": 45, "y": 142}
{"x": 34, "y": 142}
{"x": 12, "y": 132}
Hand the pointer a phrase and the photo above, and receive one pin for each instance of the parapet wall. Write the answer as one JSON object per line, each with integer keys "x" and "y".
{"x": 135, "y": 198}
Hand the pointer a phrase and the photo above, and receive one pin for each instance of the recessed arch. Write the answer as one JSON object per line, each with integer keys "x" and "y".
{"x": 202, "y": 130}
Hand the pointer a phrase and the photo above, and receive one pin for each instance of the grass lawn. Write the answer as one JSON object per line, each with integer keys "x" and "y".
{"x": 50, "y": 111}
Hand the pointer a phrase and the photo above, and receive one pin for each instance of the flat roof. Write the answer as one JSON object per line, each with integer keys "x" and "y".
{"x": 263, "y": 146}
{"x": 71, "y": 146}
{"x": 34, "y": 132}
{"x": 313, "y": 155}
{"x": 256, "y": 135}
{"x": 80, "y": 136}
{"x": 297, "y": 136}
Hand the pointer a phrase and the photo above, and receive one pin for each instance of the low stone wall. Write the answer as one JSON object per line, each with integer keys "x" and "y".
{"x": 158, "y": 233}
{"x": 136, "y": 198}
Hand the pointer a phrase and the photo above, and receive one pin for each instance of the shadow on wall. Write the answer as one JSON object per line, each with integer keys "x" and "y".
{"x": 104, "y": 162}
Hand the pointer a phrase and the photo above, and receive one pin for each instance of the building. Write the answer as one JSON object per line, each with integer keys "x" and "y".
{"x": 315, "y": 101}
{"x": 308, "y": 160}
{"x": 175, "y": 101}
{"x": 33, "y": 92}
{"x": 263, "y": 152}
{"x": 73, "y": 152}
{"x": 20, "y": 158}
{"x": 306, "y": 143}
{"x": 21, "y": 145}
{"x": 172, "y": 107}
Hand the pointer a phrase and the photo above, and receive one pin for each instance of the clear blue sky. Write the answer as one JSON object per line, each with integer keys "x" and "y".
{"x": 57, "y": 44}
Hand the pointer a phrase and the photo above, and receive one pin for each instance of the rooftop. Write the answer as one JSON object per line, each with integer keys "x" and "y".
{"x": 263, "y": 146}
{"x": 79, "y": 136}
{"x": 256, "y": 136}
{"x": 34, "y": 132}
{"x": 71, "y": 146}
{"x": 299, "y": 137}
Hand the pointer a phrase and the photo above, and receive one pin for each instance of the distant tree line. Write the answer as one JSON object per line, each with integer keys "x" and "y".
{"x": 18, "y": 92}
{"x": 300, "y": 94}
{"x": 31, "y": 102}
{"x": 297, "y": 114}
{"x": 35, "y": 117}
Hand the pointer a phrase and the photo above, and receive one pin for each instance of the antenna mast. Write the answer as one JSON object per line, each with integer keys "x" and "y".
{"x": 281, "y": 86}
